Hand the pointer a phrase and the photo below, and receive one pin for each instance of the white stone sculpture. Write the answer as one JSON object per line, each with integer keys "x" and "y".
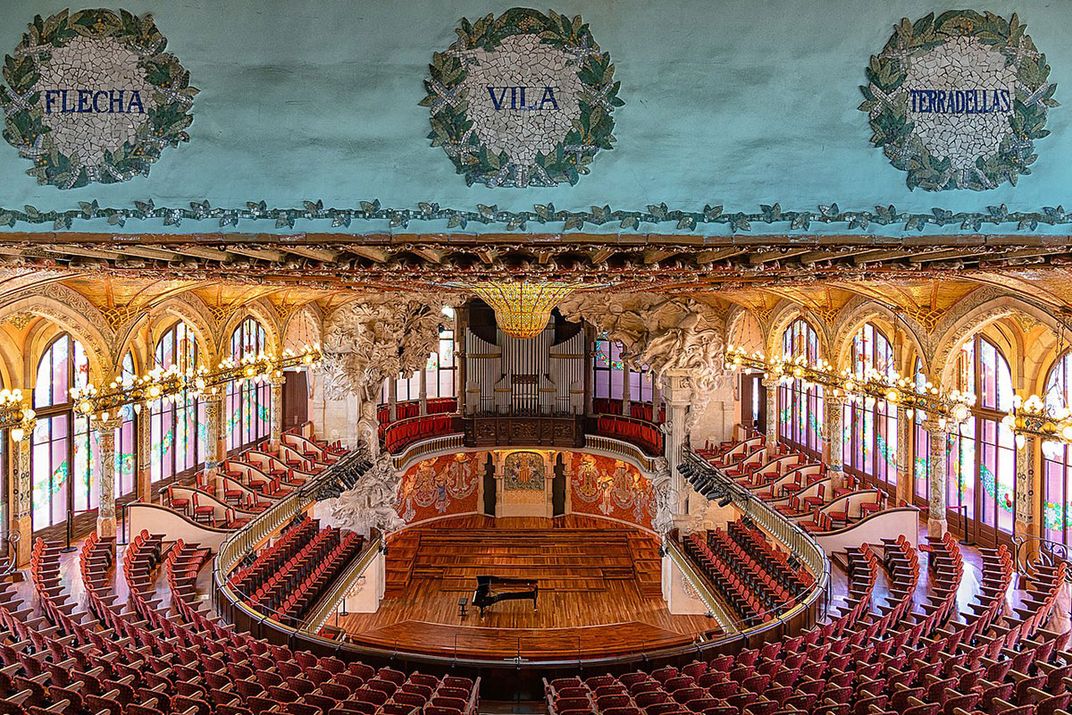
{"x": 371, "y": 503}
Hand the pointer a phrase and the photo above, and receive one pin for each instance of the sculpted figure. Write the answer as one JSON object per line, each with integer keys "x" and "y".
{"x": 371, "y": 503}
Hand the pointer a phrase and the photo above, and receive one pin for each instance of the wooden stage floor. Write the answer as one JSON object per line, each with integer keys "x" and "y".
{"x": 599, "y": 591}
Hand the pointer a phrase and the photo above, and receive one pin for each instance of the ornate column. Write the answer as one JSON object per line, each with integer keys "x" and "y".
{"x": 656, "y": 399}
{"x": 771, "y": 385}
{"x": 938, "y": 432}
{"x": 627, "y": 391}
{"x": 1026, "y": 454}
{"x": 835, "y": 437}
{"x": 217, "y": 441}
{"x": 22, "y": 482}
{"x": 277, "y": 409}
{"x": 905, "y": 474}
{"x": 104, "y": 433}
{"x": 460, "y": 367}
{"x": 678, "y": 396}
{"x": 143, "y": 444}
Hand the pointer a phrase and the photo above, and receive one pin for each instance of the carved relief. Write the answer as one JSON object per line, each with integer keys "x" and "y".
{"x": 371, "y": 503}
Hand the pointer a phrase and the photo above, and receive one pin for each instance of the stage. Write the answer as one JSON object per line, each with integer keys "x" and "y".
{"x": 599, "y": 592}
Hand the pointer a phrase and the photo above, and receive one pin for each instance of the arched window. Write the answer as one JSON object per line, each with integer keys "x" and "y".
{"x": 440, "y": 369}
{"x": 982, "y": 460}
{"x": 178, "y": 428}
{"x": 249, "y": 404}
{"x": 921, "y": 445}
{"x": 1057, "y": 459}
{"x": 126, "y": 463}
{"x": 609, "y": 375}
{"x": 801, "y": 407}
{"x": 871, "y": 442}
{"x": 64, "y": 454}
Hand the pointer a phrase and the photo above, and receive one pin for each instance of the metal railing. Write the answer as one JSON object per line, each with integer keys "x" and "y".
{"x": 241, "y": 543}
{"x": 1032, "y": 552}
{"x": 688, "y": 571}
{"x": 798, "y": 542}
{"x": 336, "y": 593}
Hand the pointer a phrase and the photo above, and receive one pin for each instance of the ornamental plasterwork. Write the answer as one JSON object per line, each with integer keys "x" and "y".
{"x": 729, "y": 220}
{"x": 92, "y": 96}
{"x": 659, "y": 332}
{"x": 371, "y": 503}
{"x": 524, "y": 99}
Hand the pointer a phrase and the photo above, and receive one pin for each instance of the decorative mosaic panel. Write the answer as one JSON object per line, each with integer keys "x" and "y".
{"x": 522, "y": 100}
{"x": 92, "y": 97}
{"x": 609, "y": 487}
{"x": 957, "y": 101}
{"x": 440, "y": 486}
{"x": 524, "y": 471}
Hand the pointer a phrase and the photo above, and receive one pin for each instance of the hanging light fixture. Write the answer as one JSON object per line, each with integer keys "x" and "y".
{"x": 522, "y": 309}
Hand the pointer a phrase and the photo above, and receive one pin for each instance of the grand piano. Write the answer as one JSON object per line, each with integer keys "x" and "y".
{"x": 492, "y": 589}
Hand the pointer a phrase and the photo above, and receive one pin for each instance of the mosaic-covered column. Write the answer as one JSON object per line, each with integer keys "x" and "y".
{"x": 1026, "y": 454}
{"x": 217, "y": 440}
{"x": 22, "y": 480}
{"x": 143, "y": 445}
{"x": 422, "y": 393}
{"x": 277, "y": 409}
{"x": 904, "y": 463}
{"x": 835, "y": 438}
{"x": 104, "y": 433}
{"x": 938, "y": 432}
{"x": 392, "y": 398}
{"x": 627, "y": 392}
{"x": 771, "y": 385}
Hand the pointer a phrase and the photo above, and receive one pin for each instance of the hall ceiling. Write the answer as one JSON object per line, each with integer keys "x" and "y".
{"x": 820, "y": 273}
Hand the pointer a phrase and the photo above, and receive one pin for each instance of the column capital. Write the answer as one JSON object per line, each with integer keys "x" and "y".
{"x": 938, "y": 426}
{"x": 108, "y": 426}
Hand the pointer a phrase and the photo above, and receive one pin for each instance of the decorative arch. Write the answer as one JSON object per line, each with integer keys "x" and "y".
{"x": 783, "y": 317}
{"x": 867, "y": 311}
{"x": 186, "y": 309}
{"x": 743, "y": 329}
{"x": 303, "y": 325}
{"x": 260, "y": 311}
{"x": 974, "y": 320}
{"x": 63, "y": 310}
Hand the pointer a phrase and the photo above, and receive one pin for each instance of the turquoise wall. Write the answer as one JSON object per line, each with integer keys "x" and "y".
{"x": 734, "y": 103}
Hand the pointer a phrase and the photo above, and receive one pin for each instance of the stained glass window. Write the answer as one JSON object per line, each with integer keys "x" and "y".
{"x": 800, "y": 406}
{"x": 982, "y": 460}
{"x": 249, "y": 404}
{"x": 63, "y": 453}
{"x": 178, "y": 428}
{"x": 1057, "y": 459}
{"x": 609, "y": 374}
{"x": 125, "y": 455}
{"x": 871, "y": 447}
{"x": 921, "y": 445}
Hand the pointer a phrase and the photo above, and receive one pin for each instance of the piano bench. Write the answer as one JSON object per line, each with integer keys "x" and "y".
{"x": 463, "y": 604}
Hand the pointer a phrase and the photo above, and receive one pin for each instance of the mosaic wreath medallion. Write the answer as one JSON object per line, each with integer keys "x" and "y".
{"x": 92, "y": 97}
{"x": 522, "y": 100}
{"x": 957, "y": 101}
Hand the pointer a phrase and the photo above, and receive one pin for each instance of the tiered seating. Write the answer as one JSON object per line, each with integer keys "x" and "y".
{"x": 287, "y": 577}
{"x": 898, "y": 660}
{"x": 637, "y": 410}
{"x": 145, "y": 662}
{"x": 746, "y": 570}
{"x": 399, "y": 435}
{"x": 794, "y": 671}
{"x": 645, "y": 435}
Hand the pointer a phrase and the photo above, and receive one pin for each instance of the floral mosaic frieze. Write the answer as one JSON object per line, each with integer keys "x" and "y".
{"x": 957, "y": 101}
{"x": 524, "y": 99}
{"x": 374, "y": 215}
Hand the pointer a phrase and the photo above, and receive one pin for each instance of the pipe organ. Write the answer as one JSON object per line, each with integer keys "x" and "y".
{"x": 518, "y": 376}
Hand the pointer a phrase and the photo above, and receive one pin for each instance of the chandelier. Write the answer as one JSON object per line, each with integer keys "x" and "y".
{"x": 174, "y": 385}
{"x": 15, "y": 414}
{"x": 926, "y": 399}
{"x": 522, "y": 309}
{"x": 1034, "y": 418}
